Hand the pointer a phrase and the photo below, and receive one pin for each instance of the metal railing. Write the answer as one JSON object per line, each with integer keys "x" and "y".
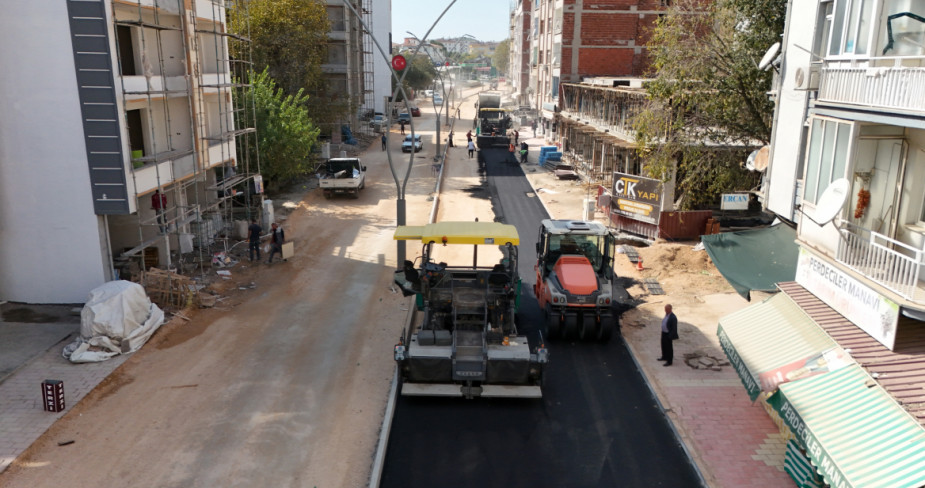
{"x": 887, "y": 87}
{"x": 890, "y": 263}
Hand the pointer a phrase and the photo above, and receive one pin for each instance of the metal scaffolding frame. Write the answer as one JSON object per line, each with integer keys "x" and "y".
{"x": 201, "y": 205}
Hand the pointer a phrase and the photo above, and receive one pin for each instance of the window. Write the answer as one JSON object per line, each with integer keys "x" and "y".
{"x": 336, "y": 16}
{"x": 126, "y": 50}
{"x": 908, "y": 37}
{"x": 554, "y": 93}
{"x": 827, "y": 158}
{"x": 849, "y": 31}
{"x": 337, "y": 53}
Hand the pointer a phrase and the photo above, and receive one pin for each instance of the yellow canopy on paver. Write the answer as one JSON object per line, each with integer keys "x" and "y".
{"x": 476, "y": 233}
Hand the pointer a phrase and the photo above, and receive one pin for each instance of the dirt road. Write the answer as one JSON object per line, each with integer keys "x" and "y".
{"x": 285, "y": 382}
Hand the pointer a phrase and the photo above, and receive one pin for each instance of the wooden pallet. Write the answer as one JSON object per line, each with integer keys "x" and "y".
{"x": 168, "y": 289}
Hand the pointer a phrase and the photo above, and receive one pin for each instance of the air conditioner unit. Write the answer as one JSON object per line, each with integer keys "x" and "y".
{"x": 806, "y": 78}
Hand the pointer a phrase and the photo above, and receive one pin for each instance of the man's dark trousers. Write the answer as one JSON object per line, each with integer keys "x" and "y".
{"x": 667, "y": 348}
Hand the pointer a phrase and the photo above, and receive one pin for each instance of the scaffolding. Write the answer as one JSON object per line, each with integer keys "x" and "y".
{"x": 369, "y": 95}
{"x": 196, "y": 138}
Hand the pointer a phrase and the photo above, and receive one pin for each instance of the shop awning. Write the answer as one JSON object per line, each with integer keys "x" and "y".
{"x": 773, "y": 342}
{"x": 855, "y": 434}
{"x": 754, "y": 259}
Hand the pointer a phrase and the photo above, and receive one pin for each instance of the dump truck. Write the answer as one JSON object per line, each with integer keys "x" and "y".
{"x": 466, "y": 342}
{"x": 574, "y": 279}
{"x": 342, "y": 176}
{"x": 491, "y": 121}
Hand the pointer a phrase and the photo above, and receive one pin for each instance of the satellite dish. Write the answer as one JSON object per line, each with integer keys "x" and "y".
{"x": 769, "y": 56}
{"x": 831, "y": 201}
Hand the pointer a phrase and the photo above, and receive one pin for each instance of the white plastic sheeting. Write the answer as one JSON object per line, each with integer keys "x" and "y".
{"x": 117, "y": 318}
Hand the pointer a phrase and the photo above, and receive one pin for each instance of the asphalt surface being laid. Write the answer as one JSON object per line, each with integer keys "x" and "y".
{"x": 597, "y": 425}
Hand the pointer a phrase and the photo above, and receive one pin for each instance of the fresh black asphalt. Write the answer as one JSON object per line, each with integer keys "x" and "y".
{"x": 597, "y": 425}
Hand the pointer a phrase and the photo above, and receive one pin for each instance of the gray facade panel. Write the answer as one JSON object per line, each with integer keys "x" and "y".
{"x": 96, "y": 90}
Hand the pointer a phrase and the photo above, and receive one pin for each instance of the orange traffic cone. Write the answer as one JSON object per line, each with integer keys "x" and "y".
{"x": 639, "y": 264}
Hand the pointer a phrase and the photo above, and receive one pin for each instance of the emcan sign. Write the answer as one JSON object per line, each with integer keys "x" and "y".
{"x": 636, "y": 197}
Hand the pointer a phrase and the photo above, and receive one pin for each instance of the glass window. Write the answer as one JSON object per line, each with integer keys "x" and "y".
{"x": 812, "y": 175}
{"x": 837, "y": 26}
{"x": 827, "y": 158}
{"x": 908, "y": 33}
{"x": 336, "y": 16}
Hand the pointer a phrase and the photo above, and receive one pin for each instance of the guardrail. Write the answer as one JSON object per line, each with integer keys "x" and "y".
{"x": 890, "y": 263}
{"x": 886, "y": 87}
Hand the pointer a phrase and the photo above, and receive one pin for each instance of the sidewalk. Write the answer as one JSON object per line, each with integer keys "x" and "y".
{"x": 22, "y": 416}
{"x": 735, "y": 444}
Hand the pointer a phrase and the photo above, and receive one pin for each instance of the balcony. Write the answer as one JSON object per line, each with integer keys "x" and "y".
{"x": 899, "y": 88}
{"x": 888, "y": 262}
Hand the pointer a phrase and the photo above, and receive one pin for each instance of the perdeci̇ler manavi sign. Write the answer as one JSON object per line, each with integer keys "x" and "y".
{"x": 870, "y": 311}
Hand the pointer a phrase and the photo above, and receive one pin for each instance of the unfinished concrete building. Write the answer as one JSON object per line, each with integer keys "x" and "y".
{"x": 112, "y": 101}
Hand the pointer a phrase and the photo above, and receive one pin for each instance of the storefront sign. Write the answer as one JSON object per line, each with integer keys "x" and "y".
{"x": 751, "y": 386}
{"x": 734, "y": 201}
{"x": 865, "y": 308}
{"x": 636, "y": 197}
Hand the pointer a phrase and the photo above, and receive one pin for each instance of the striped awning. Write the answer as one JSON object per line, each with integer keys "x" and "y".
{"x": 855, "y": 434}
{"x": 799, "y": 467}
{"x": 774, "y": 342}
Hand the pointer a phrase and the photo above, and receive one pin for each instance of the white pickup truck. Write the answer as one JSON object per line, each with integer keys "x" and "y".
{"x": 342, "y": 175}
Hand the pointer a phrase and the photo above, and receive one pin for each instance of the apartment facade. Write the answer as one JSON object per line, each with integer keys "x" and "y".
{"x": 847, "y": 161}
{"x": 519, "y": 58}
{"x": 574, "y": 39}
{"x": 108, "y": 103}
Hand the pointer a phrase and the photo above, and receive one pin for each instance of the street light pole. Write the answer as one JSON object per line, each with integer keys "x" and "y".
{"x": 401, "y": 186}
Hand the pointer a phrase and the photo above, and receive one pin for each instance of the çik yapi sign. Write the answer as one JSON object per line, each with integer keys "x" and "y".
{"x": 636, "y": 197}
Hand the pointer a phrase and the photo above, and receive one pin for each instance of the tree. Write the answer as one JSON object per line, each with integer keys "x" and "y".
{"x": 421, "y": 74}
{"x": 286, "y": 135}
{"x": 290, "y": 39}
{"x": 708, "y": 97}
{"x": 501, "y": 59}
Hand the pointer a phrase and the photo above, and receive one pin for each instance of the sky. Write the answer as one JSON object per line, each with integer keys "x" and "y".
{"x": 486, "y": 20}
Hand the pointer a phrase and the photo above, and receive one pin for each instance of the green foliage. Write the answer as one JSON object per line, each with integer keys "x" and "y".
{"x": 290, "y": 39}
{"x": 501, "y": 58}
{"x": 708, "y": 93}
{"x": 421, "y": 74}
{"x": 286, "y": 135}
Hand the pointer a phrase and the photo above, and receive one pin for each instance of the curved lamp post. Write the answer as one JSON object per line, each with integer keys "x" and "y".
{"x": 400, "y": 185}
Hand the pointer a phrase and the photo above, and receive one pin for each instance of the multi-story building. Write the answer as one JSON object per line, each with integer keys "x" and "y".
{"x": 349, "y": 67}
{"x": 573, "y": 39}
{"x": 519, "y": 63}
{"x": 847, "y": 161}
{"x": 109, "y": 103}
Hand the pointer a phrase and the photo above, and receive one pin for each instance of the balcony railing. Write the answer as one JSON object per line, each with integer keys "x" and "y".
{"x": 884, "y": 87}
{"x": 886, "y": 261}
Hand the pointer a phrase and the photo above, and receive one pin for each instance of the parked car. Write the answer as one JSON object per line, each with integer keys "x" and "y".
{"x": 438, "y": 99}
{"x": 378, "y": 123}
{"x": 418, "y": 144}
{"x": 428, "y": 93}
{"x": 415, "y": 112}
{"x": 404, "y": 117}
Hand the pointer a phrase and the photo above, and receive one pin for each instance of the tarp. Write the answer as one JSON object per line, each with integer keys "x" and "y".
{"x": 117, "y": 318}
{"x": 754, "y": 259}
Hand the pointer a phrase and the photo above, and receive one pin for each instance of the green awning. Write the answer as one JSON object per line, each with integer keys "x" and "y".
{"x": 800, "y": 468}
{"x": 754, "y": 259}
{"x": 773, "y": 342}
{"x": 853, "y": 431}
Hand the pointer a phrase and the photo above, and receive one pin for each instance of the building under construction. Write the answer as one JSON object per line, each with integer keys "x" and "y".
{"x": 125, "y": 142}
